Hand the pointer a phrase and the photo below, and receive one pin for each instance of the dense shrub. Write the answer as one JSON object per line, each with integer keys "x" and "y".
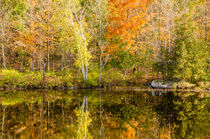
{"x": 34, "y": 79}
{"x": 12, "y": 78}
{"x": 93, "y": 78}
{"x": 138, "y": 74}
{"x": 51, "y": 80}
{"x": 66, "y": 80}
{"x": 112, "y": 76}
{"x": 185, "y": 85}
{"x": 93, "y": 75}
{"x": 66, "y": 77}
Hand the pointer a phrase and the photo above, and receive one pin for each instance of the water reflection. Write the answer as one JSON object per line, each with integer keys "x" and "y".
{"x": 99, "y": 114}
{"x": 158, "y": 93}
{"x": 3, "y": 118}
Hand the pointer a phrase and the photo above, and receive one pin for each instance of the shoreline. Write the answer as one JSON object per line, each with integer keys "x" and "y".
{"x": 118, "y": 88}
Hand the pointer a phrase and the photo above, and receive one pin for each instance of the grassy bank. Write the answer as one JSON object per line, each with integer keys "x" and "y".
{"x": 13, "y": 79}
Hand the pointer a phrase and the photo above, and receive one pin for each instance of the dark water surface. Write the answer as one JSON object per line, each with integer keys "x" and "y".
{"x": 104, "y": 114}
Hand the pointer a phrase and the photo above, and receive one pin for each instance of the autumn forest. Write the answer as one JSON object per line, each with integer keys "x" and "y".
{"x": 97, "y": 43}
{"x": 104, "y": 69}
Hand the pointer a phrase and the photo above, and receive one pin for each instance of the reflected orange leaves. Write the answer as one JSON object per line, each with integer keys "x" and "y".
{"x": 128, "y": 130}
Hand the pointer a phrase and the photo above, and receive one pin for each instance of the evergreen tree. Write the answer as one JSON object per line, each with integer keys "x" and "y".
{"x": 190, "y": 55}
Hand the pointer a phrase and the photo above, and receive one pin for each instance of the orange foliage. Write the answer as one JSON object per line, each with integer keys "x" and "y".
{"x": 38, "y": 32}
{"x": 126, "y": 17}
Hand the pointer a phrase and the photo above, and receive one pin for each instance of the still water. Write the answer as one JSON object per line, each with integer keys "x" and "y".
{"x": 104, "y": 114}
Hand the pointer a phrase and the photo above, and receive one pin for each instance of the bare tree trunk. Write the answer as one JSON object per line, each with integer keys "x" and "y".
{"x": 40, "y": 61}
{"x": 41, "y": 115}
{"x": 159, "y": 31}
{"x": 86, "y": 72}
{"x": 53, "y": 60}
{"x": 48, "y": 114}
{"x": 170, "y": 26}
{"x": 79, "y": 74}
{"x": 3, "y": 119}
{"x": 80, "y": 32}
{"x": 206, "y": 21}
{"x": 100, "y": 70}
{"x": 43, "y": 52}
{"x": 2, "y": 37}
{"x": 85, "y": 110}
{"x": 62, "y": 60}
{"x": 201, "y": 29}
{"x": 101, "y": 112}
{"x": 43, "y": 72}
{"x": 85, "y": 47}
{"x": 48, "y": 57}
{"x": 22, "y": 63}
{"x": 48, "y": 43}
{"x": 159, "y": 25}
{"x": 32, "y": 62}
{"x": 2, "y": 46}
{"x": 165, "y": 70}
{"x": 83, "y": 72}
{"x": 100, "y": 45}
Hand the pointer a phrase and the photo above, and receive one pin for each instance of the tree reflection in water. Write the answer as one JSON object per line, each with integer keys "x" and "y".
{"x": 83, "y": 120}
{"x": 100, "y": 114}
{"x": 3, "y": 118}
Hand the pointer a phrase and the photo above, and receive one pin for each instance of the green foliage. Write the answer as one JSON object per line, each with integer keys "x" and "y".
{"x": 91, "y": 82}
{"x": 58, "y": 80}
{"x": 185, "y": 85}
{"x": 51, "y": 80}
{"x": 112, "y": 76}
{"x": 190, "y": 54}
{"x": 81, "y": 37}
{"x": 18, "y": 97}
{"x": 83, "y": 121}
{"x": 203, "y": 85}
{"x": 76, "y": 32}
{"x": 166, "y": 64}
{"x": 93, "y": 75}
{"x": 19, "y": 9}
{"x": 34, "y": 79}
{"x": 66, "y": 77}
{"x": 138, "y": 74}
{"x": 207, "y": 84}
{"x": 124, "y": 60}
{"x": 15, "y": 8}
{"x": 12, "y": 78}
{"x": 192, "y": 117}
{"x": 83, "y": 55}
{"x": 66, "y": 80}
{"x": 92, "y": 79}
{"x": 180, "y": 114}
{"x": 189, "y": 61}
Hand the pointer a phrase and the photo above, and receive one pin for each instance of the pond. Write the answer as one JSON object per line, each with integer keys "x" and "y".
{"x": 104, "y": 114}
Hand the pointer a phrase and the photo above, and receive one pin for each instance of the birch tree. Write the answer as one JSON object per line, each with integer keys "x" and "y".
{"x": 4, "y": 20}
{"x": 81, "y": 36}
{"x": 97, "y": 15}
